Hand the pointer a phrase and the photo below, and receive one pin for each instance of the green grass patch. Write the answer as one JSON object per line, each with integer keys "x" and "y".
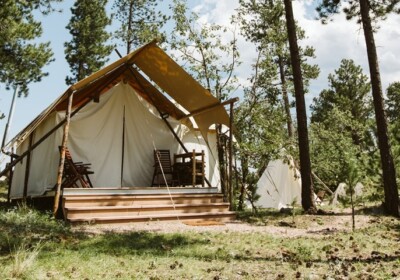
{"x": 36, "y": 246}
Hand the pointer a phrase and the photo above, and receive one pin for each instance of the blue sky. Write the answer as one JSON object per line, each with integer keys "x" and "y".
{"x": 339, "y": 39}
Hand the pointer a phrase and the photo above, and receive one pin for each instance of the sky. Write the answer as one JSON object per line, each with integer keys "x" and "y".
{"x": 333, "y": 42}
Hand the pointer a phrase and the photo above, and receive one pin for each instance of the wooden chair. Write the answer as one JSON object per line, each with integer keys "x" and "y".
{"x": 189, "y": 168}
{"x": 163, "y": 173}
{"x": 75, "y": 172}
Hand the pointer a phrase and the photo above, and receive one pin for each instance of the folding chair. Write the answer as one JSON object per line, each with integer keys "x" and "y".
{"x": 75, "y": 171}
{"x": 163, "y": 172}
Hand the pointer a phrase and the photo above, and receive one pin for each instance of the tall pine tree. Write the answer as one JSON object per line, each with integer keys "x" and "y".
{"x": 368, "y": 12}
{"x": 307, "y": 190}
{"x": 263, "y": 23}
{"x": 88, "y": 50}
{"x": 21, "y": 59}
{"x": 341, "y": 125}
{"x": 140, "y": 22}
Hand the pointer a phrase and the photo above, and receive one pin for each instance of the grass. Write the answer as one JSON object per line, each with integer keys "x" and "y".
{"x": 33, "y": 245}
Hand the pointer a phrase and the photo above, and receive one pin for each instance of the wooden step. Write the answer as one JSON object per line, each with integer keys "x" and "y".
{"x": 127, "y": 208}
{"x": 130, "y": 200}
{"x": 103, "y": 211}
{"x": 222, "y": 217}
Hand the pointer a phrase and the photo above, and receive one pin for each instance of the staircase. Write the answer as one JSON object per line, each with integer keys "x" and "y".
{"x": 120, "y": 206}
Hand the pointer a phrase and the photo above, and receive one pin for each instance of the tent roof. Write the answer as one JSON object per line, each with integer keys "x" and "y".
{"x": 163, "y": 71}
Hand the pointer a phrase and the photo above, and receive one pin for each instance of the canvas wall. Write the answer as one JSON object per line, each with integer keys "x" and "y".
{"x": 117, "y": 136}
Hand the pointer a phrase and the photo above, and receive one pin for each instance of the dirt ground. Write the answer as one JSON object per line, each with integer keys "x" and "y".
{"x": 304, "y": 225}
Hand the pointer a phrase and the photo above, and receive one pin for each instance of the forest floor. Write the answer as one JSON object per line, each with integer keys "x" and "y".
{"x": 267, "y": 245}
{"x": 265, "y": 222}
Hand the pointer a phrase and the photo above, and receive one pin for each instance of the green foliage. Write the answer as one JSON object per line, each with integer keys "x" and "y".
{"x": 349, "y": 90}
{"x": 23, "y": 226}
{"x": 87, "y": 52}
{"x": 140, "y": 23}
{"x": 342, "y": 127}
{"x": 210, "y": 60}
{"x": 393, "y": 102}
{"x": 368, "y": 12}
{"x": 52, "y": 251}
{"x": 21, "y": 59}
{"x": 3, "y": 192}
{"x": 262, "y": 116}
{"x": 393, "y": 109}
{"x": 379, "y": 9}
{"x": 264, "y": 23}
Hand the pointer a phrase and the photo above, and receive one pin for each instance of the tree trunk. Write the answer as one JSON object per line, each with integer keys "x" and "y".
{"x": 307, "y": 199}
{"x": 129, "y": 33}
{"x": 222, "y": 162}
{"x": 391, "y": 204}
{"x": 245, "y": 172}
{"x": 285, "y": 97}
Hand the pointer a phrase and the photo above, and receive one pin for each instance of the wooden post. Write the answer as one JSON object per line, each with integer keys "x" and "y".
{"x": 28, "y": 167}
{"x": 10, "y": 178}
{"x": 230, "y": 154}
{"x": 209, "y": 108}
{"x": 62, "y": 154}
{"x": 203, "y": 171}
{"x": 123, "y": 147}
{"x": 194, "y": 168}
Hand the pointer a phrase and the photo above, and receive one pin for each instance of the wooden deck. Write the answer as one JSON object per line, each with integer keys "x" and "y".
{"x": 130, "y": 205}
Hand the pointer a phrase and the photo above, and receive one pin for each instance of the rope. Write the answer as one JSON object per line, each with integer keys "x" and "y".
{"x": 165, "y": 180}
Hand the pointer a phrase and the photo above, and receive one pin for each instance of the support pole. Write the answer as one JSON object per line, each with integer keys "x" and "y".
{"x": 10, "y": 178}
{"x": 28, "y": 167}
{"x": 62, "y": 153}
{"x": 209, "y": 108}
{"x": 10, "y": 115}
{"x": 230, "y": 154}
{"x": 123, "y": 147}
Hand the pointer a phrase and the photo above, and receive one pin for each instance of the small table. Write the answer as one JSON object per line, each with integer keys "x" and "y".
{"x": 189, "y": 168}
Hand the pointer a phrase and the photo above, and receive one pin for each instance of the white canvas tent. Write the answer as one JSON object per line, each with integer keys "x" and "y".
{"x": 279, "y": 185}
{"x": 117, "y": 122}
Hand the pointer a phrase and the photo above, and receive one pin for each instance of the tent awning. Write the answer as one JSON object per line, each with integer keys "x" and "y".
{"x": 162, "y": 70}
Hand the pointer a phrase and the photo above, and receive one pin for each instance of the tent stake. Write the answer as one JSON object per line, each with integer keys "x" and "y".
{"x": 62, "y": 156}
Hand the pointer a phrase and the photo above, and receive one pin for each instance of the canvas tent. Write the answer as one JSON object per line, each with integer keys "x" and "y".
{"x": 120, "y": 114}
{"x": 279, "y": 185}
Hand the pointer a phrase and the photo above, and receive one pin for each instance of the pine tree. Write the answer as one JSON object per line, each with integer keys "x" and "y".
{"x": 349, "y": 92}
{"x": 263, "y": 23}
{"x": 341, "y": 125}
{"x": 368, "y": 12}
{"x": 393, "y": 109}
{"x": 307, "y": 190}
{"x": 260, "y": 133}
{"x": 140, "y": 22}
{"x": 393, "y": 102}
{"x": 21, "y": 59}
{"x": 87, "y": 52}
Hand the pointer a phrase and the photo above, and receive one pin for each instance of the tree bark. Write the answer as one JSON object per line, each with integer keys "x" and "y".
{"x": 307, "y": 199}
{"x": 285, "y": 97}
{"x": 245, "y": 172}
{"x": 129, "y": 39}
{"x": 391, "y": 203}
